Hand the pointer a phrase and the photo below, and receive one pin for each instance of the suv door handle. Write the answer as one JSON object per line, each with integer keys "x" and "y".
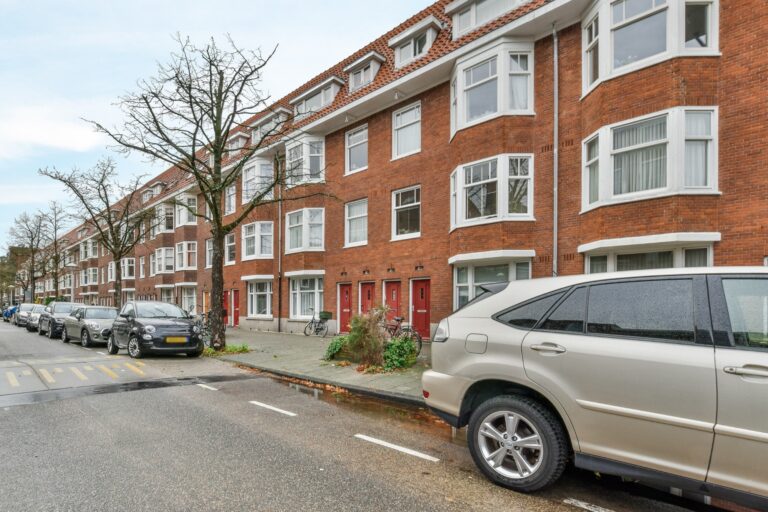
{"x": 548, "y": 347}
{"x": 746, "y": 371}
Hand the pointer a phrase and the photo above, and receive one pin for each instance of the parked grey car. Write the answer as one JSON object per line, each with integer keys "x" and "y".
{"x": 34, "y": 317}
{"x": 52, "y": 319}
{"x": 89, "y": 324}
{"x": 22, "y": 314}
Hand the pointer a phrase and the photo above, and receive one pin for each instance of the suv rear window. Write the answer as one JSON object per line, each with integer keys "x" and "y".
{"x": 526, "y": 315}
{"x": 569, "y": 314}
{"x": 661, "y": 309}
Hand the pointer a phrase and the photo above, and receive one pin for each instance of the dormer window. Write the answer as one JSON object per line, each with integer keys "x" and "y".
{"x": 236, "y": 142}
{"x": 363, "y": 70}
{"x": 415, "y": 42}
{"x": 318, "y": 98}
{"x": 147, "y": 195}
{"x": 469, "y": 15}
{"x": 269, "y": 126}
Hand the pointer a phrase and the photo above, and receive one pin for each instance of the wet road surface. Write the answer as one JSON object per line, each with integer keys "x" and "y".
{"x": 201, "y": 435}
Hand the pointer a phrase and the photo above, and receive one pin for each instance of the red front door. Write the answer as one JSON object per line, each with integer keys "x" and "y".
{"x": 345, "y": 306}
{"x": 367, "y": 295}
{"x": 235, "y": 307}
{"x": 392, "y": 299}
{"x": 227, "y": 309}
{"x": 420, "y": 306}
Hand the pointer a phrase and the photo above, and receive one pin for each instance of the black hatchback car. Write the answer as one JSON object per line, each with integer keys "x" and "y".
{"x": 52, "y": 319}
{"x": 145, "y": 327}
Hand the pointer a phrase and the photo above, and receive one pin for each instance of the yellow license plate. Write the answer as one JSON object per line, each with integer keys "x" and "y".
{"x": 175, "y": 339}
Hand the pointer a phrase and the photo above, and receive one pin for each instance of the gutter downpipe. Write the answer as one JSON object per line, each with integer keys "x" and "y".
{"x": 556, "y": 144}
{"x": 279, "y": 247}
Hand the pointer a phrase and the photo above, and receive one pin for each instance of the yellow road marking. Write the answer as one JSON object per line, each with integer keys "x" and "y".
{"x": 12, "y": 379}
{"x": 115, "y": 366}
{"x": 139, "y": 363}
{"x": 26, "y": 373}
{"x": 58, "y": 370}
{"x": 88, "y": 368}
{"x": 80, "y": 375}
{"x": 134, "y": 369}
{"x": 107, "y": 371}
{"x": 47, "y": 376}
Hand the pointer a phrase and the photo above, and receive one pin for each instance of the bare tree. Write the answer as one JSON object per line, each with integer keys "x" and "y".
{"x": 185, "y": 116}
{"x": 110, "y": 207}
{"x": 54, "y": 252}
{"x": 28, "y": 232}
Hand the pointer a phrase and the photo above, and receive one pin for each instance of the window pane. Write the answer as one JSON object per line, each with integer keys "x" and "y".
{"x": 569, "y": 315}
{"x": 518, "y": 92}
{"x": 295, "y": 236}
{"x": 481, "y": 200}
{"x": 408, "y": 139}
{"x": 747, "y": 301}
{"x": 480, "y": 72}
{"x": 408, "y": 220}
{"x": 698, "y": 124}
{"x": 461, "y": 275}
{"x": 696, "y": 26}
{"x": 696, "y": 165}
{"x": 527, "y": 315}
{"x": 696, "y": 258}
{"x": 489, "y": 9}
{"x": 522, "y": 270}
{"x": 482, "y": 100}
{"x": 648, "y": 309}
{"x": 598, "y": 264}
{"x": 643, "y": 38}
{"x": 491, "y": 274}
{"x": 358, "y": 156}
{"x": 644, "y": 261}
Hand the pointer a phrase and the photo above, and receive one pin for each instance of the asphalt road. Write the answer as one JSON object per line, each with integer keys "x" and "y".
{"x": 184, "y": 434}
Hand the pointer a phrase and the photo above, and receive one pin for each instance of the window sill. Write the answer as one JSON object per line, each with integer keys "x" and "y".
{"x": 645, "y": 197}
{"x": 185, "y": 224}
{"x": 251, "y": 258}
{"x": 492, "y": 221}
{"x": 356, "y": 244}
{"x": 350, "y": 173}
{"x": 296, "y": 251}
{"x": 409, "y": 236}
{"x": 229, "y": 263}
{"x": 405, "y": 155}
{"x": 259, "y": 317}
{"x": 185, "y": 269}
{"x": 308, "y": 182}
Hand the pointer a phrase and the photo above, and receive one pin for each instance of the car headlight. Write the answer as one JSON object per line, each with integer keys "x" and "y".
{"x": 149, "y": 329}
{"x": 441, "y": 333}
{"x": 195, "y": 328}
{"x": 93, "y": 325}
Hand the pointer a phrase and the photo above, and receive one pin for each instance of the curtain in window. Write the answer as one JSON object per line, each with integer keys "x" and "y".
{"x": 644, "y": 168}
{"x": 698, "y": 125}
{"x": 490, "y": 274}
{"x": 518, "y": 82}
{"x": 598, "y": 264}
{"x": 357, "y": 214}
{"x": 249, "y": 233}
{"x": 315, "y": 228}
{"x": 265, "y": 243}
{"x": 696, "y": 258}
{"x": 593, "y": 168}
{"x": 522, "y": 270}
{"x": 644, "y": 261}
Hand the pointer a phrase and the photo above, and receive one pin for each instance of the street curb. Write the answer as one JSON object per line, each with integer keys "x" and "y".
{"x": 375, "y": 393}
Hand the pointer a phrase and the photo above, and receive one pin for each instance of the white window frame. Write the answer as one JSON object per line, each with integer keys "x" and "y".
{"x": 110, "y": 271}
{"x": 429, "y": 34}
{"x": 326, "y": 91}
{"x": 142, "y": 261}
{"x": 209, "y": 253}
{"x": 184, "y": 217}
{"x": 252, "y": 294}
{"x": 258, "y": 181}
{"x": 675, "y": 141}
{"x": 305, "y": 245}
{"x": 186, "y": 255}
{"x": 469, "y": 9}
{"x": 187, "y": 293}
{"x": 162, "y": 256}
{"x": 128, "y": 268}
{"x": 257, "y": 236}
{"x": 348, "y": 219}
{"x": 502, "y": 51}
{"x": 230, "y": 199}
{"x": 395, "y": 208}
{"x": 395, "y": 129}
{"x": 295, "y": 296}
{"x": 471, "y": 265}
{"x": 304, "y": 161}
{"x": 93, "y": 277}
{"x": 675, "y": 35}
{"x": 458, "y": 198}
{"x": 152, "y": 264}
{"x": 229, "y": 241}
{"x": 271, "y": 126}
{"x": 678, "y": 254}
{"x": 348, "y": 147}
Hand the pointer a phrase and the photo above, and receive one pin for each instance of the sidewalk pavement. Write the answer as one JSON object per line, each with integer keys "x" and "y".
{"x": 301, "y": 357}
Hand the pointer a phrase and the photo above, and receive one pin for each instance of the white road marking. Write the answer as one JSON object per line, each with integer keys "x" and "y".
{"x": 281, "y": 411}
{"x": 398, "y": 448}
{"x": 207, "y": 387}
{"x": 585, "y": 506}
{"x": 102, "y": 353}
{"x": 86, "y": 348}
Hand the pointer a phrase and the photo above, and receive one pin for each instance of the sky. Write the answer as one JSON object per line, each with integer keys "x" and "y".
{"x": 65, "y": 60}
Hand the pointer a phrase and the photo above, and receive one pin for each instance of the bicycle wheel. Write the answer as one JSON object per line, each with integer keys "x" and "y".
{"x": 309, "y": 328}
{"x": 322, "y": 329}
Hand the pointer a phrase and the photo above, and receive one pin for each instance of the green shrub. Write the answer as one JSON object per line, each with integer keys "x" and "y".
{"x": 400, "y": 352}
{"x": 335, "y": 346}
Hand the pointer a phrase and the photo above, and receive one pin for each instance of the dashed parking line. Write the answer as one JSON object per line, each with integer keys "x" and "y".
{"x": 47, "y": 376}
{"x": 80, "y": 375}
{"x": 12, "y": 380}
{"x": 134, "y": 369}
{"x": 397, "y": 447}
{"x": 101, "y": 353}
{"x": 206, "y": 386}
{"x": 271, "y": 408}
{"x": 107, "y": 371}
{"x": 585, "y": 506}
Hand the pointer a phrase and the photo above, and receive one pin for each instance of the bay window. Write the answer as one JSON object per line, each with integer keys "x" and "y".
{"x": 164, "y": 260}
{"x": 306, "y": 297}
{"x": 93, "y": 278}
{"x": 499, "y": 188}
{"x": 229, "y": 199}
{"x": 406, "y": 213}
{"x": 185, "y": 211}
{"x": 406, "y": 131}
{"x": 186, "y": 256}
{"x": 305, "y": 230}
{"x": 305, "y": 161}
{"x": 498, "y": 81}
{"x": 639, "y": 30}
{"x": 468, "y": 279}
{"x": 665, "y": 153}
{"x": 622, "y": 260}
{"x": 257, "y": 179}
{"x": 127, "y": 268}
{"x": 592, "y": 50}
{"x": 260, "y": 299}
{"x": 356, "y": 223}
{"x": 357, "y": 150}
{"x": 230, "y": 254}
{"x": 257, "y": 240}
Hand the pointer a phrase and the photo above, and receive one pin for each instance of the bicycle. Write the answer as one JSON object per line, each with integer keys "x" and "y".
{"x": 319, "y": 326}
{"x": 396, "y": 329}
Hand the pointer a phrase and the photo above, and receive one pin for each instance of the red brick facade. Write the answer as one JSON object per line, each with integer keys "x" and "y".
{"x": 732, "y": 79}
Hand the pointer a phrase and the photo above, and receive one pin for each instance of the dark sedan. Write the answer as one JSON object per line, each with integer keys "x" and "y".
{"x": 52, "y": 319}
{"x": 145, "y": 327}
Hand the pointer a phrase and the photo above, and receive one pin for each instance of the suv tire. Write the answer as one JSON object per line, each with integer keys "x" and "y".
{"x": 530, "y": 418}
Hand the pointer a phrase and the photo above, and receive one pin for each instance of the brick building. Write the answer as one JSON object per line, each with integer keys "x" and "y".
{"x": 483, "y": 141}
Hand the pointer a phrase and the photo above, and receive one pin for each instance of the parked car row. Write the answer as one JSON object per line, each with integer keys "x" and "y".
{"x": 140, "y": 327}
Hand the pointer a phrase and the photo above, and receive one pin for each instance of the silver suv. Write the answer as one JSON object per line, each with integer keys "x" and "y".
{"x": 660, "y": 375}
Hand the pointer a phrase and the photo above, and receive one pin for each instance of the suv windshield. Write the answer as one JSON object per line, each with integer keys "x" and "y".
{"x": 159, "y": 310}
{"x": 63, "y": 308}
{"x": 100, "y": 313}
{"x": 26, "y": 307}
{"x": 38, "y": 309}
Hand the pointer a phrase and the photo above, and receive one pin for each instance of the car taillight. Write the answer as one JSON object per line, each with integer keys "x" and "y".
{"x": 441, "y": 333}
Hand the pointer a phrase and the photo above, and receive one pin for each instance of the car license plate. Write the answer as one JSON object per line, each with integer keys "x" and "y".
{"x": 176, "y": 339}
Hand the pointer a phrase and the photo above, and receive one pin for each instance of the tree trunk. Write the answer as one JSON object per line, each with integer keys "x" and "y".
{"x": 55, "y": 277}
{"x": 216, "y": 313}
{"x": 117, "y": 297}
